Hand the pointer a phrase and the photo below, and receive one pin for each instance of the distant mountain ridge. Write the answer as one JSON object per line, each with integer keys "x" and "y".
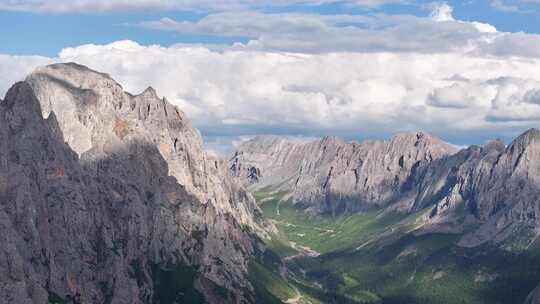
{"x": 487, "y": 193}
{"x": 330, "y": 175}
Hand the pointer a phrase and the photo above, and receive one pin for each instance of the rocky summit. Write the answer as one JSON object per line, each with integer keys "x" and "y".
{"x": 108, "y": 197}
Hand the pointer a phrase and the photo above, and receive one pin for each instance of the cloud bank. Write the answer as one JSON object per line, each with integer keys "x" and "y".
{"x": 312, "y": 75}
{"x": 313, "y": 33}
{"x": 235, "y": 92}
{"x": 310, "y": 33}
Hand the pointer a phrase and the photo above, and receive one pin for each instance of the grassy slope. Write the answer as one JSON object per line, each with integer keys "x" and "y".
{"x": 270, "y": 286}
{"x": 372, "y": 258}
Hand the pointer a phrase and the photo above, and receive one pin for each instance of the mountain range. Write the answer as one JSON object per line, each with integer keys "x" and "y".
{"x": 486, "y": 199}
{"x": 487, "y": 191}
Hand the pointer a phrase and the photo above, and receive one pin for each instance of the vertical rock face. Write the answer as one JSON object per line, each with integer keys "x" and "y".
{"x": 332, "y": 176}
{"x": 110, "y": 192}
{"x": 497, "y": 186}
{"x": 98, "y": 117}
{"x": 487, "y": 193}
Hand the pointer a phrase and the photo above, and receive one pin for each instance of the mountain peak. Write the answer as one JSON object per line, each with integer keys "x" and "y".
{"x": 76, "y": 146}
{"x": 417, "y": 135}
{"x": 494, "y": 145}
{"x": 150, "y": 92}
{"x": 68, "y": 68}
{"x": 525, "y": 139}
{"x": 423, "y": 139}
{"x": 262, "y": 143}
{"x": 532, "y": 133}
{"x": 331, "y": 140}
{"x": 22, "y": 100}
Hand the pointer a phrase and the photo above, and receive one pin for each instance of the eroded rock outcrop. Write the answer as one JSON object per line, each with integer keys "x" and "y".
{"x": 104, "y": 194}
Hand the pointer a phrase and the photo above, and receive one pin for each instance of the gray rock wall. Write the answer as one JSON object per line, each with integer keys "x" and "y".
{"x": 106, "y": 190}
{"x": 487, "y": 193}
{"x": 332, "y": 176}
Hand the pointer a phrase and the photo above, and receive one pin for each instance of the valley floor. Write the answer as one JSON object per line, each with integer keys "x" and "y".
{"x": 376, "y": 257}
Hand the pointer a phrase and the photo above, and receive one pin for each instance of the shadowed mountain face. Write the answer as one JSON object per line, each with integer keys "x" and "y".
{"x": 485, "y": 193}
{"x": 108, "y": 198}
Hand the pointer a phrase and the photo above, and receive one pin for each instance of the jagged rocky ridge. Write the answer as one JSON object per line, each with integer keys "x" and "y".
{"x": 486, "y": 193}
{"x": 103, "y": 193}
{"x": 332, "y": 176}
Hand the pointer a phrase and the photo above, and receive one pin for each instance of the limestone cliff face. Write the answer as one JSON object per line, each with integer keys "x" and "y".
{"x": 486, "y": 193}
{"x": 332, "y": 176}
{"x": 102, "y": 191}
{"x": 97, "y": 117}
{"x": 495, "y": 187}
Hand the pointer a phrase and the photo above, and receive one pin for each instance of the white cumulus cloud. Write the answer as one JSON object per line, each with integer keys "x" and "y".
{"x": 311, "y": 75}
{"x": 453, "y": 96}
{"x": 240, "y": 92}
{"x": 233, "y": 92}
{"x": 442, "y": 12}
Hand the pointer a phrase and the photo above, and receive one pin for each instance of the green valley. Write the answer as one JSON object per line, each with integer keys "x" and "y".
{"x": 376, "y": 257}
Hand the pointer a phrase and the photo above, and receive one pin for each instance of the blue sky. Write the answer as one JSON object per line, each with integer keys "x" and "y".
{"x": 42, "y": 33}
{"x": 24, "y": 33}
{"x": 466, "y": 71}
